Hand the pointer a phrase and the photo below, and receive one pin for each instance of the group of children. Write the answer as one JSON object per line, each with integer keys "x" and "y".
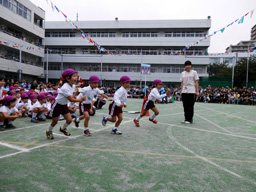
{"x": 65, "y": 104}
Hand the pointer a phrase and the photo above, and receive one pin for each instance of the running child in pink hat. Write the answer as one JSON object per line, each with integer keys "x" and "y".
{"x": 66, "y": 94}
{"x": 86, "y": 106}
{"x": 149, "y": 104}
{"x": 115, "y": 108}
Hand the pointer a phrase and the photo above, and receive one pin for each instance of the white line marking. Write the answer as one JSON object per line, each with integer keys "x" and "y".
{"x": 214, "y": 123}
{"x": 17, "y": 129}
{"x": 203, "y": 158}
{"x": 229, "y": 114}
{"x": 14, "y": 147}
{"x": 203, "y": 130}
{"x": 56, "y": 142}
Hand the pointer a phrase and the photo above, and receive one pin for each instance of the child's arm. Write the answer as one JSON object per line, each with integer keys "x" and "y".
{"x": 71, "y": 99}
{"x": 10, "y": 117}
{"x": 105, "y": 96}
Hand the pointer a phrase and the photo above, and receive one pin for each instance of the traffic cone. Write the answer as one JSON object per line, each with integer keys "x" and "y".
{"x": 144, "y": 101}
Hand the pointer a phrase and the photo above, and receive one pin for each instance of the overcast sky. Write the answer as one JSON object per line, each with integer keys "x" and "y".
{"x": 222, "y": 12}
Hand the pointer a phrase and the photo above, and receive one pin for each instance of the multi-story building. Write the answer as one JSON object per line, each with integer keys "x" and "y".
{"x": 242, "y": 46}
{"x": 21, "y": 34}
{"x": 253, "y": 33}
{"x": 159, "y": 43}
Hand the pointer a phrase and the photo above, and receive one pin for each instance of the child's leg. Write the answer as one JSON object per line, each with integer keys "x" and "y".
{"x": 53, "y": 123}
{"x": 34, "y": 113}
{"x": 68, "y": 120}
{"x": 142, "y": 114}
{"x": 120, "y": 118}
{"x": 86, "y": 119}
{"x": 112, "y": 118}
{"x": 1, "y": 120}
{"x": 156, "y": 112}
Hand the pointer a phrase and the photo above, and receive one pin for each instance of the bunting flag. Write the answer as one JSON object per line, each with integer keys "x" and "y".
{"x": 251, "y": 13}
{"x": 22, "y": 46}
{"x": 241, "y": 20}
{"x": 84, "y": 36}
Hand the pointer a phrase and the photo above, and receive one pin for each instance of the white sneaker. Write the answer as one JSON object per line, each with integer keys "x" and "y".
{"x": 116, "y": 132}
{"x": 185, "y": 122}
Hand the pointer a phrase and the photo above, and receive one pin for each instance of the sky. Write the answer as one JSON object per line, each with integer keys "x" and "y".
{"x": 222, "y": 13}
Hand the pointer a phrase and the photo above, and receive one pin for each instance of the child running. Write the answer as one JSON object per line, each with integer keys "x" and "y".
{"x": 60, "y": 106}
{"x": 86, "y": 107}
{"x": 149, "y": 104}
{"x": 115, "y": 108}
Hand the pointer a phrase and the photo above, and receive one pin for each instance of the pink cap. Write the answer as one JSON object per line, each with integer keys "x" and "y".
{"x": 158, "y": 82}
{"x": 8, "y": 98}
{"x": 94, "y": 79}
{"x": 12, "y": 93}
{"x": 52, "y": 98}
{"x": 55, "y": 93}
{"x": 32, "y": 96}
{"x": 68, "y": 72}
{"x": 125, "y": 79}
{"x": 40, "y": 96}
{"x": 24, "y": 96}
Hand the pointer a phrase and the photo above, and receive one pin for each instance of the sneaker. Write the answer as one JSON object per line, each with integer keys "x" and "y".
{"x": 34, "y": 121}
{"x": 65, "y": 132}
{"x": 115, "y": 131}
{"x": 185, "y": 122}
{"x": 153, "y": 120}
{"x": 61, "y": 117}
{"x": 41, "y": 119}
{"x": 76, "y": 122}
{"x": 49, "y": 134}
{"x": 136, "y": 122}
{"x": 10, "y": 126}
{"x": 87, "y": 132}
{"x": 1, "y": 127}
{"x": 104, "y": 120}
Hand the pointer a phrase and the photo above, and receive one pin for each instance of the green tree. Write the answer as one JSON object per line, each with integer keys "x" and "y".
{"x": 219, "y": 70}
{"x": 240, "y": 71}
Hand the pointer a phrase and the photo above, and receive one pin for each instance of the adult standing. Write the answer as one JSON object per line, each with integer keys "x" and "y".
{"x": 189, "y": 90}
{"x": 34, "y": 85}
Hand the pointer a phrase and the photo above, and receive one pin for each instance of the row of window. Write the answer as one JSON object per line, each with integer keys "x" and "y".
{"x": 129, "y": 51}
{"x": 124, "y": 68}
{"x": 17, "y": 8}
{"x": 127, "y": 34}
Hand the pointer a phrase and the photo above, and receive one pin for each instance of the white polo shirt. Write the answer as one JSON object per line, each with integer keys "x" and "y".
{"x": 154, "y": 95}
{"x": 38, "y": 104}
{"x": 89, "y": 93}
{"x": 188, "y": 79}
{"x": 8, "y": 110}
{"x": 64, "y": 92}
{"x": 120, "y": 96}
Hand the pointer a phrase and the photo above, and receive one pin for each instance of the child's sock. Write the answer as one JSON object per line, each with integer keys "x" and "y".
{"x": 115, "y": 128}
{"x": 34, "y": 115}
{"x": 1, "y": 123}
{"x": 138, "y": 118}
{"x": 50, "y": 128}
{"x": 10, "y": 122}
{"x": 65, "y": 126}
{"x": 153, "y": 116}
{"x": 85, "y": 128}
{"x": 77, "y": 120}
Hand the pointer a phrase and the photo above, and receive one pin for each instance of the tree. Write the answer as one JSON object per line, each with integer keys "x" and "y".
{"x": 240, "y": 71}
{"x": 219, "y": 70}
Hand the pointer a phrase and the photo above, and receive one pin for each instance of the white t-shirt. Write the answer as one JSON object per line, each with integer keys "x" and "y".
{"x": 154, "y": 95}
{"x": 89, "y": 93}
{"x": 38, "y": 104}
{"x": 72, "y": 105}
{"x": 64, "y": 92}
{"x": 120, "y": 96}
{"x": 1, "y": 90}
{"x": 22, "y": 104}
{"x": 8, "y": 110}
{"x": 188, "y": 79}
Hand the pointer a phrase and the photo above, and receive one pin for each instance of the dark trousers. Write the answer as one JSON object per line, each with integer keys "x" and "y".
{"x": 188, "y": 100}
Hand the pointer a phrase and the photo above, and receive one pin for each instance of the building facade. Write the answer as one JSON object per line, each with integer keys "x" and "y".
{"x": 253, "y": 33}
{"x": 242, "y": 46}
{"x": 159, "y": 43}
{"x": 21, "y": 36}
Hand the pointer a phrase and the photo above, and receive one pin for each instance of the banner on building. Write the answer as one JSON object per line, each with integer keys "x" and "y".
{"x": 145, "y": 69}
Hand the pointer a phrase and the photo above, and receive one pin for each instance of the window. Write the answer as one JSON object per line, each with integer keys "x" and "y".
{"x": 125, "y": 34}
{"x": 47, "y": 34}
{"x": 169, "y": 34}
{"x": 112, "y": 34}
{"x": 154, "y": 34}
{"x": 134, "y": 34}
